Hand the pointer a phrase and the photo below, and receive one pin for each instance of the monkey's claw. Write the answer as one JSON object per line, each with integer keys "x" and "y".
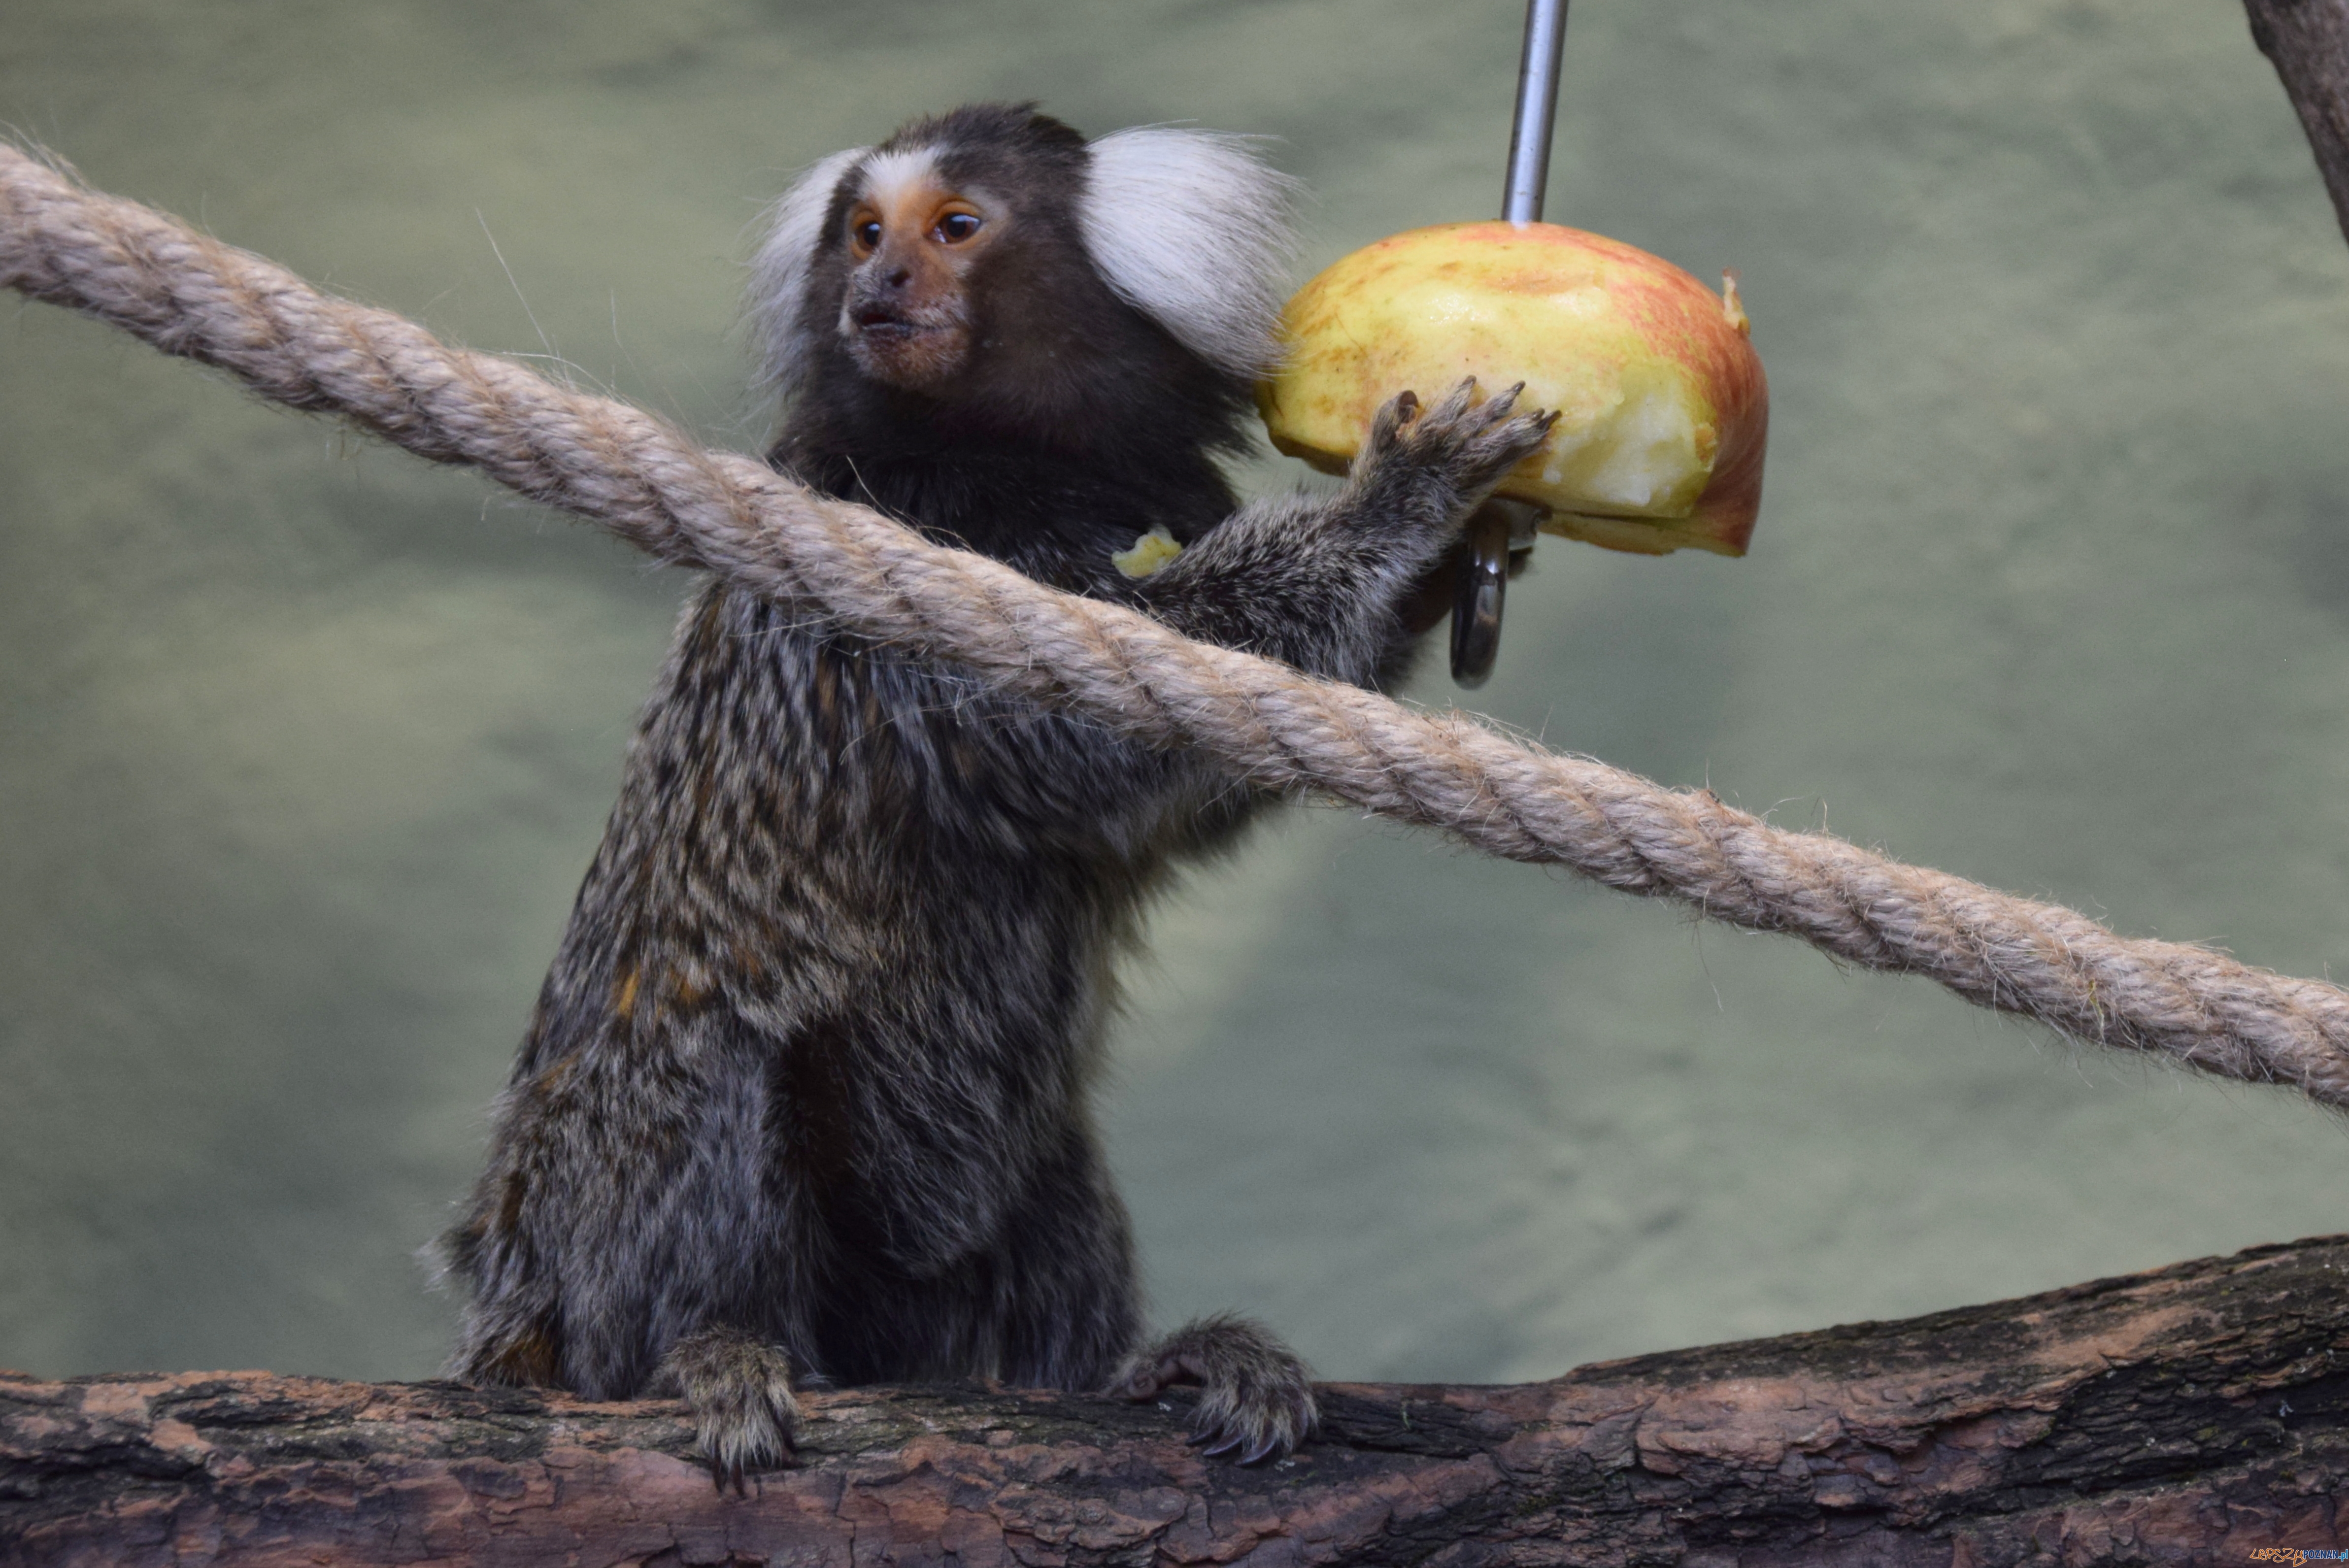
{"x": 1253, "y": 1392}
{"x": 740, "y": 1387}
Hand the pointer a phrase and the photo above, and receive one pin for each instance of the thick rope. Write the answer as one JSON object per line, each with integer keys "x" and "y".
{"x": 728, "y": 513}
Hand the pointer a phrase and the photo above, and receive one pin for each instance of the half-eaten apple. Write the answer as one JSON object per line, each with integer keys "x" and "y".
{"x": 1663, "y": 408}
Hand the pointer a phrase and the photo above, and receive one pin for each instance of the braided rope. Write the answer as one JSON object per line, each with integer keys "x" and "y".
{"x": 191, "y": 296}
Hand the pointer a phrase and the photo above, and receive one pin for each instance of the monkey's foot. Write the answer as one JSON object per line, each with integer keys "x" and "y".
{"x": 741, "y": 1390}
{"x": 1467, "y": 445}
{"x": 1253, "y": 1392}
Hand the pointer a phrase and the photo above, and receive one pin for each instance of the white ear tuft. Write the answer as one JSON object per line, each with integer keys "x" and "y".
{"x": 1192, "y": 228}
{"x": 779, "y": 273}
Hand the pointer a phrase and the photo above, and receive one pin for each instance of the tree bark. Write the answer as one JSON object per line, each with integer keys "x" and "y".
{"x": 2308, "y": 43}
{"x": 2194, "y": 1414}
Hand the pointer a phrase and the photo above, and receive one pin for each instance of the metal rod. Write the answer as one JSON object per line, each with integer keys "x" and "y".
{"x": 1482, "y": 580}
{"x": 1521, "y": 201}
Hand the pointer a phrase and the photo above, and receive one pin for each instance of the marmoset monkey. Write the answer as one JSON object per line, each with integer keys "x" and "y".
{"x": 806, "y": 1095}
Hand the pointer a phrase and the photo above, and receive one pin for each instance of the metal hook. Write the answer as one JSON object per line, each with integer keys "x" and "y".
{"x": 1496, "y": 534}
{"x": 1477, "y": 596}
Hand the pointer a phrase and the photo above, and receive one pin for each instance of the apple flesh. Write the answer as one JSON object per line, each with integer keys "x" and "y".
{"x": 1663, "y": 408}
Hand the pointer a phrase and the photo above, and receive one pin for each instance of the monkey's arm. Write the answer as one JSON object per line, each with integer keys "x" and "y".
{"x": 1319, "y": 583}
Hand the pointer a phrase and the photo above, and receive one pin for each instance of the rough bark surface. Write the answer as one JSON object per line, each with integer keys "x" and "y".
{"x": 2308, "y": 42}
{"x": 2194, "y": 1414}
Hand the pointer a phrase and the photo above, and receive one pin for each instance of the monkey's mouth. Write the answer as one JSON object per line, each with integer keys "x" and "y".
{"x": 912, "y": 349}
{"x": 879, "y": 320}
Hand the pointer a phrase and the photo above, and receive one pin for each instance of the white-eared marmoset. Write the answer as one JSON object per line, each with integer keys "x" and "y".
{"x": 806, "y": 1095}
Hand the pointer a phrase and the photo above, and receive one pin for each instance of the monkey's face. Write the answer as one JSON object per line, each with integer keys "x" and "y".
{"x": 911, "y": 240}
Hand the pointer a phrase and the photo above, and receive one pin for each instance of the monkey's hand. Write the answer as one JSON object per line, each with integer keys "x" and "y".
{"x": 1317, "y": 581}
{"x": 741, "y": 1390}
{"x": 1434, "y": 467}
{"x": 1253, "y": 1392}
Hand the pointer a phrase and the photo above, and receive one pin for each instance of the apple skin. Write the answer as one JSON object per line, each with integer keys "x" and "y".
{"x": 1663, "y": 411}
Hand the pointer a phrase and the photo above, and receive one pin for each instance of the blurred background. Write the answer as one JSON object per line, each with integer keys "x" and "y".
{"x": 304, "y": 744}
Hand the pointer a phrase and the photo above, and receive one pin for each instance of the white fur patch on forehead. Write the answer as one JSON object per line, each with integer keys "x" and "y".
{"x": 1192, "y": 228}
{"x": 887, "y": 176}
{"x": 779, "y": 273}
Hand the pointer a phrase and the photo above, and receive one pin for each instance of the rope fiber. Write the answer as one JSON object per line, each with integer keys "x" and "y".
{"x": 724, "y": 512}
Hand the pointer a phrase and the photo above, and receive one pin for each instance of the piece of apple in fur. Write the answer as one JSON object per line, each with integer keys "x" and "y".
{"x": 1663, "y": 408}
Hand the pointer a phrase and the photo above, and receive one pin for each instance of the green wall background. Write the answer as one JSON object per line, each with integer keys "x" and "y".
{"x": 303, "y": 745}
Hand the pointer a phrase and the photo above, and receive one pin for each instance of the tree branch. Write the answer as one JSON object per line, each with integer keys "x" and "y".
{"x": 2308, "y": 43}
{"x": 2196, "y": 1410}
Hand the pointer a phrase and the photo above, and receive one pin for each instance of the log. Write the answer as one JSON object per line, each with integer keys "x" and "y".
{"x": 2197, "y": 1413}
{"x": 2307, "y": 41}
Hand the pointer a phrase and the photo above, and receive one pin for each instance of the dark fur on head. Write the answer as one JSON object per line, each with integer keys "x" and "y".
{"x": 808, "y": 1089}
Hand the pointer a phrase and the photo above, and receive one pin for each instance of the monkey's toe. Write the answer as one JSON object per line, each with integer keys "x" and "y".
{"x": 740, "y": 1387}
{"x": 1255, "y": 1397}
{"x": 1264, "y": 1422}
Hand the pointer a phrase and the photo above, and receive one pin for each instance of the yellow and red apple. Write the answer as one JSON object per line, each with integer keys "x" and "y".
{"x": 1663, "y": 408}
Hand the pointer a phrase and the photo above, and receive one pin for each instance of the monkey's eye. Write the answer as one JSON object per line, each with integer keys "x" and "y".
{"x": 865, "y": 235}
{"x": 957, "y": 225}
